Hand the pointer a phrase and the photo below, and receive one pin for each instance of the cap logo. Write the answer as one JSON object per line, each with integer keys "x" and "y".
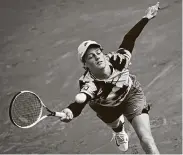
{"x": 85, "y": 43}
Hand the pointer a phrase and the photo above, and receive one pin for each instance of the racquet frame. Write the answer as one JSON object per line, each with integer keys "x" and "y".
{"x": 41, "y": 111}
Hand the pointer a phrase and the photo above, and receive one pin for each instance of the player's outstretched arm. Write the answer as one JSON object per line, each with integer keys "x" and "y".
{"x": 75, "y": 108}
{"x": 130, "y": 38}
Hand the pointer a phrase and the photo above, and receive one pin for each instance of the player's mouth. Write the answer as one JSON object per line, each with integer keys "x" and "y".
{"x": 99, "y": 62}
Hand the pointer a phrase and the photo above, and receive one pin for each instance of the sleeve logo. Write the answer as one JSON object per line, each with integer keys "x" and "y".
{"x": 85, "y": 43}
{"x": 86, "y": 87}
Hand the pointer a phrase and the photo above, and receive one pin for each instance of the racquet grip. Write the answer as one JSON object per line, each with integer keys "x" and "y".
{"x": 60, "y": 114}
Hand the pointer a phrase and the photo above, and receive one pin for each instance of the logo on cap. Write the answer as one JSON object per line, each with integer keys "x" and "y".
{"x": 85, "y": 43}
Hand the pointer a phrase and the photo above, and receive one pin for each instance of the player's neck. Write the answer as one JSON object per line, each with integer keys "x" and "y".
{"x": 102, "y": 73}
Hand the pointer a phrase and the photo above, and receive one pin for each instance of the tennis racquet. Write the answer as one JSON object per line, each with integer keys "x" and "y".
{"x": 26, "y": 110}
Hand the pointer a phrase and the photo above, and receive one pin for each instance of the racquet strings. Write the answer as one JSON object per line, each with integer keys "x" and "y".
{"x": 26, "y": 109}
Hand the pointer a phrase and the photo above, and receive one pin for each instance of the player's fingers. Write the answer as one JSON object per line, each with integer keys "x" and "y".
{"x": 63, "y": 118}
{"x": 157, "y": 4}
{"x": 121, "y": 59}
{"x": 67, "y": 118}
{"x": 117, "y": 59}
{"x": 157, "y": 7}
{"x": 154, "y": 9}
{"x": 148, "y": 10}
{"x": 114, "y": 57}
{"x": 69, "y": 115}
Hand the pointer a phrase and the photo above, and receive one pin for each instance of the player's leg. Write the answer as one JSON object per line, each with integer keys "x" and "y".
{"x": 142, "y": 128}
{"x": 119, "y": 135}
{"x": 136, "y": 111}
{"x": 115, "y": 121}
{"x": 141, "y": 124}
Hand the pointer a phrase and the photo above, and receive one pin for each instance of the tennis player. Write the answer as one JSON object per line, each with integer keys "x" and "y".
{"x": 111, "y": 91}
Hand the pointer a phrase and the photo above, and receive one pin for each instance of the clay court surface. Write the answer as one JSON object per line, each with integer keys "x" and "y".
{"x": 38, "y": 52}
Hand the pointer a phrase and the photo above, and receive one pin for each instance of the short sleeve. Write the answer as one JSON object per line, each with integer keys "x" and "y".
{"x": 88, "y": 88}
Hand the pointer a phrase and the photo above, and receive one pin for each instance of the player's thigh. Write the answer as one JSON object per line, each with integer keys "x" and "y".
{"x": 141, "y": 125}
{"x": 106, "y": 114}
{"x": 135, "y": 104}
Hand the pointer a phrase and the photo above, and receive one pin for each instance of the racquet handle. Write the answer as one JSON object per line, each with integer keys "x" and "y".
{"x": 60, "y": 114}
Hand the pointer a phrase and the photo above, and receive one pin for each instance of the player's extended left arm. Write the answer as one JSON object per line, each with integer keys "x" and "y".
{"x": 130, "y": 38}
{"x": 121, "y": 59}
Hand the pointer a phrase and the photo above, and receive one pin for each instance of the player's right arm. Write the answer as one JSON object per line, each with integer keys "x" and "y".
{"x": 75, "y": 108}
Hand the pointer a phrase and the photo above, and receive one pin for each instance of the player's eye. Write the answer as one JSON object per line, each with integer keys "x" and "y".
{"x": 98, "y": 52}
{"x": 90, "y": 56}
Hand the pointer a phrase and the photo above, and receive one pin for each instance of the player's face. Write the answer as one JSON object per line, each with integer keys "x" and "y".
{"x": 95, "y": 59}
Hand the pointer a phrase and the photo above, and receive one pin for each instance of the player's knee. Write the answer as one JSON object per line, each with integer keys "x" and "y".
{"x": 113, "y": 124}
{"x": 116, "y": 123}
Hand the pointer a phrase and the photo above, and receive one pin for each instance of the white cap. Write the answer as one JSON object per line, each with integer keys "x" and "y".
{"x": 84, "y": 46}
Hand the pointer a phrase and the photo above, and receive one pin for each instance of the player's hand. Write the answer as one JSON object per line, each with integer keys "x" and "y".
{"x": 152, "y": 11}
{"x": 116, "y": 60}
{"x": 68, "y": 115}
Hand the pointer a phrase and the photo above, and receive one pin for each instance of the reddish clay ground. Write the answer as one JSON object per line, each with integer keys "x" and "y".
{"x": 38, "y": 52}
